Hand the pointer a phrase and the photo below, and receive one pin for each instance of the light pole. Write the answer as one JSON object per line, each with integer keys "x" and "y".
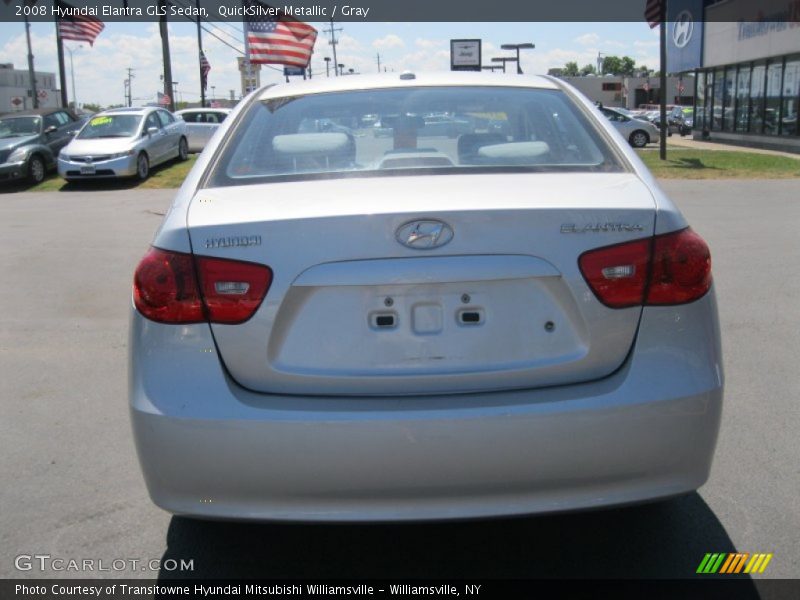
{"x": 327, "y": 66}
{"x": 518, "y": 47}
{"x": 175, "y": 93}
{"x": 213, "y": 94}
{"x": 72, "y": 75}
{"x": 341, "y": 68}
{"x": 504, "y": 60}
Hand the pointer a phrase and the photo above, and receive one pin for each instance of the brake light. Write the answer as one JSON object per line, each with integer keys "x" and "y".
{"x": 674, "y": 268}
{"x": 681, "y": 268}
{"x": 166, "y": 288}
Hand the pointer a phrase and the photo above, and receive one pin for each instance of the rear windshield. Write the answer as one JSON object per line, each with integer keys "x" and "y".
{"x": 430, "y": 129}
{"x": 111, "y": 126}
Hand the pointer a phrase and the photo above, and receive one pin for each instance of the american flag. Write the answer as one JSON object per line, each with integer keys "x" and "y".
{"x": 278, "y": 38}
{"x": 205, "y": 67}
{"x": 79, "y": 28}
{"x": 652, "y": 12}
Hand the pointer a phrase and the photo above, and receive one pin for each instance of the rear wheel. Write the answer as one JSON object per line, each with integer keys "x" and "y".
{"x": 639, "y": 139}
{"x": 183, "y": 149}
{"x": 36, "y": 169}
{"x": 142, "y": 167}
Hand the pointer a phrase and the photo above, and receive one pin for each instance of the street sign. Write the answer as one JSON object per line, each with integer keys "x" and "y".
{"x": 17, "y": 101}
{"x": 294, "y": 71}
{"x": 465, "y": 55}
{"x": 42, "y": 94}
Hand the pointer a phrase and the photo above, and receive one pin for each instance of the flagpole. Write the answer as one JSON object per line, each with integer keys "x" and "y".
{"x": 62, "y": 71}
{"x": 199, "y": 57}
{"x": 663, "y": 81}
{"x": 247, "y": 66}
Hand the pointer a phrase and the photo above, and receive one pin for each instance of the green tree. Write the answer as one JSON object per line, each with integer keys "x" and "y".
{"x": 571, "y": 69}
{"x": 89, "y": 107}
{"x": 627, "y": 66}
{"x": 612, "y": 65}
{"x": 588, "y": 70}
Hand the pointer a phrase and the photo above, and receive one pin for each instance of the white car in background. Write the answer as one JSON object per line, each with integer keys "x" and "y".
{"x": 201, "y": 123}
{"x": 123, "y": 142}
{"x": 638, "y": 132}
{"x": 332, "y": 327}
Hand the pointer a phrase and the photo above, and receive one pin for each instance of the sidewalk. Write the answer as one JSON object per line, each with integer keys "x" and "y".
{"x": 676, "y": 141}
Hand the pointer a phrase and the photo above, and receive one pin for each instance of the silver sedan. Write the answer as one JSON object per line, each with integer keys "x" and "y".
{"x": 638, "y": 132}
{"x": 123, "y": 143}
{"x": 201, "y": 124}
{"x": 331, "y": 326}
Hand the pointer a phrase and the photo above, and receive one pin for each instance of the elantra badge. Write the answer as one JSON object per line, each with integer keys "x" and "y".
{"x": 425, "y": 234}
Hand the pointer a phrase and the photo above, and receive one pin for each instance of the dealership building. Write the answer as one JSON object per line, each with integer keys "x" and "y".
{"x": 746, "y": 61}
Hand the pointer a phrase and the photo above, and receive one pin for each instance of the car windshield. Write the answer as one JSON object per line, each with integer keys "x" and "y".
{"x": 435, "y": 129}
{"x": 111, "y": 126}
{"x": 20, "y": 126}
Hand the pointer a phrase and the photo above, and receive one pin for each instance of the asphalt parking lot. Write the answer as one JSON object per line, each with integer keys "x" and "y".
{"x": 71, "y": 486}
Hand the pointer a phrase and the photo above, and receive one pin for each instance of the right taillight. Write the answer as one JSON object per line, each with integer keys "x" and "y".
{"x": 674, "y": 268}
{"x": 166, "y": 288}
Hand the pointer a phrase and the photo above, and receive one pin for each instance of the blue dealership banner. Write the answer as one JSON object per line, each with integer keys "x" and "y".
{"x": 684, "y": 35}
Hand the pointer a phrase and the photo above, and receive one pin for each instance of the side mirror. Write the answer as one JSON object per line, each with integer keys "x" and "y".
{"x": 152, "y": 130}
{"x": 50, "y": 129}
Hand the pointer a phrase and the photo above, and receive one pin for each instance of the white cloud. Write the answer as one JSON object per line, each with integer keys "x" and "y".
{"x": 389, "y": 41}
{"x": 588, "y": 39}
{"x": 423, "y": 43}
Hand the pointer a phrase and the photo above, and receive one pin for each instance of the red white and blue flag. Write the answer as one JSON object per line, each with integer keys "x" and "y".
{"x": 652, "y": 12}
{"x": 273, "y": 37}
{"x": 79, "y": 28}
{"x": 205, "y": 67}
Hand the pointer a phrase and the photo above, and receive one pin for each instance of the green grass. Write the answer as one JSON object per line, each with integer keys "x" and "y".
{"x": 684, "y": 163}
{"x": 166, "y": 176}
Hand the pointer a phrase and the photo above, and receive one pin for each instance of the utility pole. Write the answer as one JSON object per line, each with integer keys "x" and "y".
{"x": 162, "y": 25}
{"x": 72, "y": 73}
{"x": 31, "y": 72}
{"x": 379, "y": 62}
{"x": 663, "y": 81}
{"x": 333, "y": 41}
{"x": 130, "y": 91}
{"x": 61, "y": 70}
{"x": 200, "y": 48}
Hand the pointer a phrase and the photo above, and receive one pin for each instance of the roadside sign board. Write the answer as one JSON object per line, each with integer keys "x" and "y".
{"x": 294, "y": 71}
{"x": 465, "y": 55}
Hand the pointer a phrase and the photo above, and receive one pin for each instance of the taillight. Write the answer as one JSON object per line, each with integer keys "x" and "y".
{"x": 674, "y": 268}
{"x": 166, "y": 289}
{"x": 681, "y": 268}
{"x": 232, "y": 290}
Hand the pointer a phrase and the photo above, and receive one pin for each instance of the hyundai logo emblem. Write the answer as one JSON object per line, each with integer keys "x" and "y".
{"x": 424, "y": 234}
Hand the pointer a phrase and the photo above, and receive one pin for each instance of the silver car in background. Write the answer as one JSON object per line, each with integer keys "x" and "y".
{"x": 638, "y": 132}
{"x": 201, "y": 123}
{"x": 123, "y": 142}
{"x": 338, "y": 327}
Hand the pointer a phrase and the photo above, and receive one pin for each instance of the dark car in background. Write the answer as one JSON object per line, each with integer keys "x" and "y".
{"x": 31, "y": 140}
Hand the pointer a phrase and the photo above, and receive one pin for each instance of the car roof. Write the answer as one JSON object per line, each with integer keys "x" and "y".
{"x": 133, "y": 110}
{"x": 37, "y": 112}
{"x": 200, "y": 109}
{"x": 346, "y": 83}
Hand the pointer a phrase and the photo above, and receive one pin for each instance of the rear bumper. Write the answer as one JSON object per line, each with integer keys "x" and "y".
{"x": 210, "y": 448}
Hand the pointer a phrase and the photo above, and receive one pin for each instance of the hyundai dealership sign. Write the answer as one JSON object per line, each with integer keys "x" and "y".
{"x": 684, "y": 35}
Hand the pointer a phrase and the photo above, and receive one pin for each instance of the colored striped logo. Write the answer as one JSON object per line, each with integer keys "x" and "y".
{"x": 732, "y": 563}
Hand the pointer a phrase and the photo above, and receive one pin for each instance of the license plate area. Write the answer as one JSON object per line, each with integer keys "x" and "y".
{"x": 88, "y": 170}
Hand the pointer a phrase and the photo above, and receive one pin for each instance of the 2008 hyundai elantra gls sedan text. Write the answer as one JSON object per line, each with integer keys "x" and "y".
{"x": 338, "y": 326}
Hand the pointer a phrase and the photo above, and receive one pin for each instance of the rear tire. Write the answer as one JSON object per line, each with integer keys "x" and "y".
{"x": 183, "y": 150}
{"x": 36, "y": 169}
{"x": 142, "y": 167}
{"x": 639, "y": 139}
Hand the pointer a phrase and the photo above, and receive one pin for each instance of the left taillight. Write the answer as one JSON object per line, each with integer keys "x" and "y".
{"x": 166, "y": 288}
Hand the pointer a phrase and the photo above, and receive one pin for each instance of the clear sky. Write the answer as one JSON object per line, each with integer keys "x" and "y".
{"x": 101, "y": 70}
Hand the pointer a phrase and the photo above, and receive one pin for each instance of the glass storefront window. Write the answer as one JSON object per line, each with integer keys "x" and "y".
{"x": 756, "y": 107}
{"x": 772, "y": 113}
{"x": 700, "y": 100}
{"x": 791, "y": 91}
{"x": 719, "y": 82}
{"x": 728, "y": 96}
{"x": 742, "y": 97}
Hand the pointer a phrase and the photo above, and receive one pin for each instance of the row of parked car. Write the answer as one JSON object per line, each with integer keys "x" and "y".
{"x": 120, "y": 142}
